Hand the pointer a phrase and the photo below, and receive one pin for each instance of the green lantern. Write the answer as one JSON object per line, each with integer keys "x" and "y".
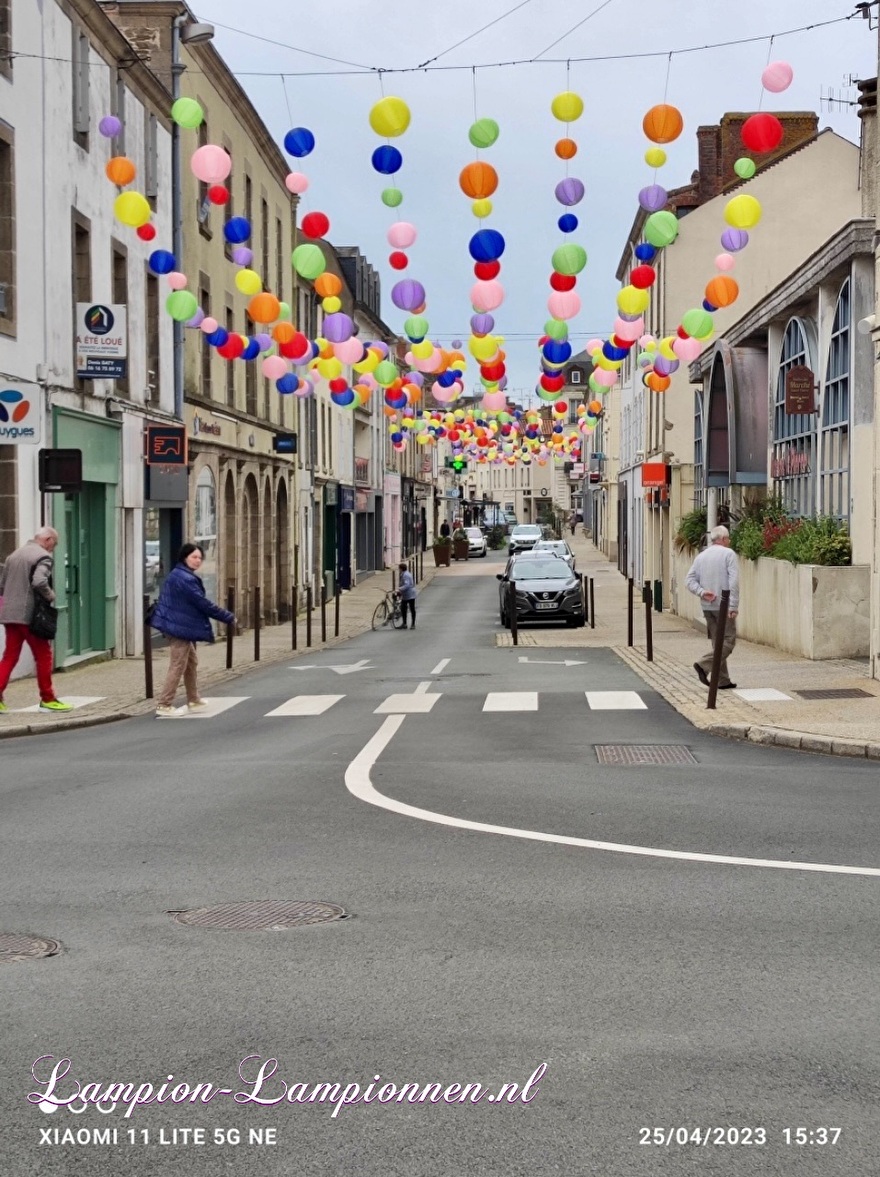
{"x": 483, "y": 133}
{"x": 392, "y": 197}
{"x": 181, "y": 305}
{"x": 569, "y": 259}
{"x": 661, "y": 229}
{"x": 308, "y": 261}
{"x": 187, "y": 113}
{"x": 745, "y": 168}
{"x": 698, "y": 323}
{"x": 556, "y": 329}
{"x": 416, "y": 327}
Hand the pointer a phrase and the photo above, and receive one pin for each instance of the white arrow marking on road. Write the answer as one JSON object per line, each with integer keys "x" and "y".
{"x": 542, "y": 662}
{"x": 364, "y": 664}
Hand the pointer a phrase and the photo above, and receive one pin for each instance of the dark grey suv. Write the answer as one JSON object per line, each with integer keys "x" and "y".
{"x": 546, "y": 590}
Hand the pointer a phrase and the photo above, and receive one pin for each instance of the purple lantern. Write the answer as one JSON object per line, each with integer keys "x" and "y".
{"x": 482, "y": 324}
{"x": 196, "y": 320}
{"x": 110, "y": 126}
{"x": 665, "y": 367}
{"x": 456, "y": 344}
{"x": 337, "y": 328}
{"x": 415, "y": 378}
{"x": 734, "y": 239}
{"x": 264, "y": 340}
{"x": 408, "y": 294}
{"x": 653, "y": 198}
{"x": 569, "y": 191}
{"x": 242, "y": 256}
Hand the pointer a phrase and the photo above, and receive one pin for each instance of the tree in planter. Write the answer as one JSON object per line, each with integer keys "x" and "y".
{"x": 691, "y": 532}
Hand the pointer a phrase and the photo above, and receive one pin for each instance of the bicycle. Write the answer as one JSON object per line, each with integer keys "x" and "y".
{"x": 388, "y": 611}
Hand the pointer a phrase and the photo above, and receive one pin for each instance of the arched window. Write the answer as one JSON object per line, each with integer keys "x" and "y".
{"x": 834, "y": 434}
{"x": 793, "y": 434}
{"x": 206, "y": 528}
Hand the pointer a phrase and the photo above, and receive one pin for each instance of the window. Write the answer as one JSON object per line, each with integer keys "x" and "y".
{"x": 207, "y": 351}
{"x": 574, "y": 376}
{"x": 793, "y": 436}
{"x": 203, "y": 205}
{"x": 834, "y": 430}
{"x": 80, "y": 65}
{"x": 5, "y": 38}
{"x": 698, "y": 449}
{"x": 230, "y": 368}
{"x": 119, "y": 277}
{"x": 264, "y": 229}
{"x": 151, "y": 392}
{"x": 279, "y": 260}
{"x": 82, "y": 276}
{"x": 151, "y": 159}
{"x": 7, "y": 229}
{"x": 250, "y": 388}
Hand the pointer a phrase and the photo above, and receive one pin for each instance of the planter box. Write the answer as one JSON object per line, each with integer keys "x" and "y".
{"x": 810, "y": 610}
{"x": 461, "y": 549}
{"x": 442, "y": 556}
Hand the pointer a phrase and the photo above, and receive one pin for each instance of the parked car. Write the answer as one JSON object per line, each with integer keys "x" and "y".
{"x": 477, "y": 543}
{"x": 559, "y": 547}
{"x": 546, "y": 590}
{"x": 530, "y": 554}
{"x": 524, "y": 535}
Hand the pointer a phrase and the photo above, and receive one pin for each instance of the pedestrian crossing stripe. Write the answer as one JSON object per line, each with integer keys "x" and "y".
{"x": 615, "y": 701}
{"x": 511, "y": 701}
{"x": 306, "y": 705}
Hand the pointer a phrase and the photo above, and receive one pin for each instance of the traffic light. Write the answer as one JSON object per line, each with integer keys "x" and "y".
{"x": 458, "y": 464}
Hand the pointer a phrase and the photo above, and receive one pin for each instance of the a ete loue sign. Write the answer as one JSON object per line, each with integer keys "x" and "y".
{"x": 20, "y": 415}
{"x": 101, "y": 341}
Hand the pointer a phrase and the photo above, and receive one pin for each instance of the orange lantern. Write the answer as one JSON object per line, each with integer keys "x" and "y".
{"x": 327, "y": 285}
{"x": 566, "y": 148}
{"x": 282, "y": 332}
{"x": 595, "y": 407}
{"x": 478, "y": 180}
{"x": 663, "y": 123}
{"x": 657, "y": 383}
{"x": 264, "y": 308}
{"x": 721, "y": 291}
{"x": 120, "y": 171}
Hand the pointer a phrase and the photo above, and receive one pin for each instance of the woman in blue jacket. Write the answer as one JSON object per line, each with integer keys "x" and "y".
{"x": 182, "y": 613}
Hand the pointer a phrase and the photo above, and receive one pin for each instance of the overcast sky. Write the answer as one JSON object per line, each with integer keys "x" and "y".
{"x": 335, "y": 103}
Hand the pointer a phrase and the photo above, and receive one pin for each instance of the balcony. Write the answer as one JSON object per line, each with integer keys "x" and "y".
{"x": 362, "y": 471}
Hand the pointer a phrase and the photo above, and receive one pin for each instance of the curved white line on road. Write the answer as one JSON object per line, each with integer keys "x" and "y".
{"x": 358, "y": 783}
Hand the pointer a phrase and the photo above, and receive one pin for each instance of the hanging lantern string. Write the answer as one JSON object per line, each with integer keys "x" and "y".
{"x": 471, "y": 36}
{"x": 589, "y": 16}
{"x": 474, "y": 86}
{"x": 769, "y": 58}
{"x": 286, "y": 99}
{"x": 668, "y": 72}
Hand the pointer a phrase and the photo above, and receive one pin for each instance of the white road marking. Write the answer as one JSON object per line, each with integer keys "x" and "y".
{"x": 418, "y": 704}
{"x": 216, "y": 706}
{"x": 306, "y": 705}
{"x": 76, "y": 701}
{"x": 762, "y": 695}
{"x": 423, "y": 688}
{"x": 544, "y": 662}
{"x": 351, "y": 668}
{"x": 358, "y": 783}
{"x": 615, "y": 701}
{"x": 511, "y": 701}
{"x": 441, "y": 666}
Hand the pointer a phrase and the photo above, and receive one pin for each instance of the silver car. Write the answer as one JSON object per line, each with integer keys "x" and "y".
{"x": 559, "y": 547}
{"x": 523, "y": 537}
{"x": 477, "y": 544}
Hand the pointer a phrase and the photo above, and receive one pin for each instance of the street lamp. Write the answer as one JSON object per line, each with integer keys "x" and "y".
{"x": 189, "y": 33}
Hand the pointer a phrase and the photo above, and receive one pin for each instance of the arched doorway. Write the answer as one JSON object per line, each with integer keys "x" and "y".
{"x": 282, "y": 558}
{"x": 268, "y": 584}
{"x": 230, "y": 551}
{"x": 250, "y": 547}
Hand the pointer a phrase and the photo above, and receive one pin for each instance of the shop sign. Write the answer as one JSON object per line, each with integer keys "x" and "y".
{"x": 101, "y": 341}
{"x": 20, "y": 415}
{"x": 346, "y": 498}
{"x": 200, "y": 425}
{"x": 166, "y": 445}
{"x": 655, "y": 474}
{"x": 790, "y": 463}
{"x": 800, "y": 391}
{"x": 331, "y": 494}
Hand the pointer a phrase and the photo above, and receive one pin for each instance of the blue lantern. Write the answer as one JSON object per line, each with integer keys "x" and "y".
{"x": 218, "y": 338}
{"x": 645, "y": 252}
{"x": 487, "y": 245}
{"x": 287, "y": 383}
{"x": 568, "y": 222}
{"x": 387, "y": 160}
{"x": 161, "y": 261}
{"x": 237, "y": 230}
{"x": 299, "y": 142}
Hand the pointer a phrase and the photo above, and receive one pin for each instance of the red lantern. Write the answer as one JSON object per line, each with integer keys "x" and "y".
{"x": 146, "y": 232}
{"x": 232, "y": 348}
{"x": 643, "y": 276}
{"x": 552, "y": 383}
{"x": 338, "y": 385}
{"x": 492, "y": 372}
{"x": 486, "y": 271}
{"x": 315, "y": 225}
{"x": 561, "y": 406}
{"x": 563, "y": 281}
{"x": 398, "y": 260}
{"x": 682, "y": 334}
{"x": 217, "y": 194}
{"x": 762, "y": 132}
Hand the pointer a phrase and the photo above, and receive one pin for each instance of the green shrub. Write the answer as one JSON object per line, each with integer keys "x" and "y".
{"x": 764, "y": 529}
{"x": 748, "y": 539}
{"x": 691, "y": 531}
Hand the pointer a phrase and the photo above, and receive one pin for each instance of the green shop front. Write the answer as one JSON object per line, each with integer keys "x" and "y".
{"x": 87, "y": 557}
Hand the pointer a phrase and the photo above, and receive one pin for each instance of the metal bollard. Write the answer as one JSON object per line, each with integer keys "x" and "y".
{"x": 718, "y": 649}
{"x": 258, "y": 593}
{"x": 336, "y": 612}
{"x": 148, "y": 652}
{"x": 393, "y": 580}
{"x": 230, "y": 629}
{"x": 629, "y": 611}
{"x": 309, "y": 616}
{"x": 324, "y": 612}
{"x": 583, "y": 581}
{"x": 511, "y": 612}
{"x": 649, "y": 622}
{"x": 592, "y": 604}
{"x": 294, "y": 592}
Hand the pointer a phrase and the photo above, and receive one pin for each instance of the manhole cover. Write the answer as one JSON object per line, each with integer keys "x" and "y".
{"x": 836, "y": 693}
{"x": 622, "y": 754}
{"x": 265, "y": 916}
{"x": 19, "y": 946}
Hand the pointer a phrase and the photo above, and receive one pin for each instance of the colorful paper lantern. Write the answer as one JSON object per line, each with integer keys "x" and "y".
{"x": 777, "y": 76}
{"x": 762, "y": 132}
{"x": 315, "y": 225}
{"x": 264, "y": 308}
{"x": 661, "y": 228}
{"x": 132, "y": 209}
{"x": 569, "y": 191}
{"x": 390, "y": 117}
{"x": 299, "y": 142}
{"x": 566, "y": 148}
{"x": 721, "y": 291}
{"x": 483, "y": 133}
{"x": 567, "y": 107}
{"x": 120, "y": 171}
{"x": 478, "y": 180}
{"x": 663, "y": 123}
{"x": 309, "y": 262}
{"x": 569, "y": 259}
{"x": 742, "y": 212}
{"x": 187, "y": 113}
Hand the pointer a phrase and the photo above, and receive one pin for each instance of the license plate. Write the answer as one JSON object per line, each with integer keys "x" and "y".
{"x": 546, "y": 605}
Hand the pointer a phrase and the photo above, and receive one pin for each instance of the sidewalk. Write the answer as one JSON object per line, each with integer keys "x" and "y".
{"x": 838, "y": 725}
{"x": 845, "y": 726}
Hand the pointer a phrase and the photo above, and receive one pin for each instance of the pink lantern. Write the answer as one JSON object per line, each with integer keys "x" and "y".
{"x": 688, "y": 349}
{"x": 211, "y": 164}
{"x": 487, "y": 296}
{"x": 564, "y": 304}
{"x": 603, "y": 376}
{"x": 627, "y": 330}
{"x": 646, "y": 340}
{"x": 401, "y": 235}
{"x": 349, "y": 351}
{"x": 274, "y": 367}
{"x": 594, "y": 345}
{"x": 494, "y": 402}
{"x": 725, "y": 261}
{"x": 296, "y": 182}
{"x": 209, "y": 325}
{"x": 177, "y": 281}
{"x": 777, "y": 77}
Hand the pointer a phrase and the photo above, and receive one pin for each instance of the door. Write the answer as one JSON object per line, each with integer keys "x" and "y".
{"x": 72, "y": 531}
{"x": 84, "y": 568}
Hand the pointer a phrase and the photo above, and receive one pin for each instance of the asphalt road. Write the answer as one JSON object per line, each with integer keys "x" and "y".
{"x": 669, "y": 997}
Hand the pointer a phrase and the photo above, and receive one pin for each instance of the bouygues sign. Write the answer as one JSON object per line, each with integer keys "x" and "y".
{"x": 20, "y": 415}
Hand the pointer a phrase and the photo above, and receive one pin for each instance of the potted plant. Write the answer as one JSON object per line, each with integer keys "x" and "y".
{"x": 460, "y": 545}
{"x": 442, "y": 551}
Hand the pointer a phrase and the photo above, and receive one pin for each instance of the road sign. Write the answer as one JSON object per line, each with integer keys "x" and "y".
{"x": 101, "y": 340}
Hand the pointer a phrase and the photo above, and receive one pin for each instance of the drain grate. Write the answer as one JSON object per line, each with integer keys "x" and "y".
{"x": 263, "y": 916}
{"x": 625, "y": 754}
{"x": 836, "y": 693}
{"x": 15, "y": 946}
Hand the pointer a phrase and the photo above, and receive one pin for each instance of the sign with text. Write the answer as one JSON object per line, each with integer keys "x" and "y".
{"x": 101, "y": 341}
{"x": 20, "y": 414}
{"x": 800, "y": 391}
{"x": 166, "y": 445}
{"x": 655, "y": 474}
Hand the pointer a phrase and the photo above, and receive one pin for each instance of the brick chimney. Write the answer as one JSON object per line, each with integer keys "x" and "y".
{"x": 800, "y": 127}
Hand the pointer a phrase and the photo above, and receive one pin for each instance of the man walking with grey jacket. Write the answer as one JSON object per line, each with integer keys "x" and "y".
{"x": 26, "y": 572}
{"x": 714, "y": 570}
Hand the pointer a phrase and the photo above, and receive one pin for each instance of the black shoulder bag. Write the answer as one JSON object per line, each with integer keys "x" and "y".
{"x": 44, "y": 623}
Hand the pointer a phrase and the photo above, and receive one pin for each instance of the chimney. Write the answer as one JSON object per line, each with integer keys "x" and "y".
{"x": 868, "y": 146}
